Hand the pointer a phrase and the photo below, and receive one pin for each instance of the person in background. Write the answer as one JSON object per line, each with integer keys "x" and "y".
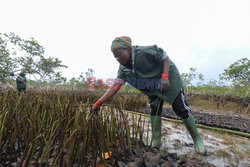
{"x": 149, "y": 69}
{"x": 21, "y": 82}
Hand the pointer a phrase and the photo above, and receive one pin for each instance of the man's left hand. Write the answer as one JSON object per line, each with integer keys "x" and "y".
{"x": 164, "y": 85}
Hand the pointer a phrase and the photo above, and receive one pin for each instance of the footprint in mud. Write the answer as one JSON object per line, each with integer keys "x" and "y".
{"x": 178, "y": 132}
{"x": 177, "y": 144}
{"x": 189, "y": 144}
{"x": 166, "y": 131}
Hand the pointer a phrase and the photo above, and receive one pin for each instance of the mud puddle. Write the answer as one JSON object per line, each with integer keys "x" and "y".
{"x": 223, "y": 149}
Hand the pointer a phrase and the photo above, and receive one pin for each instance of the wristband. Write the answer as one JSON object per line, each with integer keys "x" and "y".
{"x": 164, "y": 76}
{"x": 97, "y": 104}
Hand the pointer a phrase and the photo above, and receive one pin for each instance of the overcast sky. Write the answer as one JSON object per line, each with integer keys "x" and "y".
{"x": 208, "y": 35}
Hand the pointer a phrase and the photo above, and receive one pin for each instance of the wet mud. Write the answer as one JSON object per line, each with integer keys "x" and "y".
{"x": 153, "y": 157}
{"x": 222, "y": 149}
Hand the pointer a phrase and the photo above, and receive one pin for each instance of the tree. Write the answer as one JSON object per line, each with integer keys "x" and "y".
{"x": 6, "y": 62}
{"x": 33, "y": 53}
{"x": 188, "y": 78}
{"x": 30, "y": 58}
{"x": 78, "y": 83}
{"x": 89, "y": 73}
{"x": 238, "y": 72}
{"x": 57, "y": 78}
{"x": 201, "y": 79}
{"x": 45, "y": 68}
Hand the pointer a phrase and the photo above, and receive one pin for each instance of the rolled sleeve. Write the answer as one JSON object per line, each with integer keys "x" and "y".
{"x": 164, "y": 55}
{"x": 156, "y": 53}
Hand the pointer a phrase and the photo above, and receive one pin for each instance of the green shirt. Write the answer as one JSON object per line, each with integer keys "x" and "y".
{"x": 147, "y": 67}
{"x": 21, "y": 82}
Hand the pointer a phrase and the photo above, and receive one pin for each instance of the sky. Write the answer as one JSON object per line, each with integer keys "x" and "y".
{"x": 208, "y": 35}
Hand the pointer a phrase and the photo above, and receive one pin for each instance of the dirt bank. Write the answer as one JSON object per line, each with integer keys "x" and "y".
{"x": 210, "y": 118}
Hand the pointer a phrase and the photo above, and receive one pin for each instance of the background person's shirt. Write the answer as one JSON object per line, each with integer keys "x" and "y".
{"x": 21, "y": 82}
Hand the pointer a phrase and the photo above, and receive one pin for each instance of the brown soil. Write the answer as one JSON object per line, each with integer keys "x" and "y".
{"x": 214, "y": 118}
{"x": 231, "y": 114}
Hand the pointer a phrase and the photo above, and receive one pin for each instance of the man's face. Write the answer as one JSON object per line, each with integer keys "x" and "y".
{"x": 122, "y": 55}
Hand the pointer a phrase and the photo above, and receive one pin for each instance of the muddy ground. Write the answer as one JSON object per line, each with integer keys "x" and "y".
{"x": 153, "y": 157}
{"x": 220, "y": 120}
{"x": 145, "y": 157}
{"x": 213, "y": 118}
{"x": 223, "y": 149}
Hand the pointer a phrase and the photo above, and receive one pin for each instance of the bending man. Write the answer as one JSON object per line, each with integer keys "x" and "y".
{"x": 149, "y": 69}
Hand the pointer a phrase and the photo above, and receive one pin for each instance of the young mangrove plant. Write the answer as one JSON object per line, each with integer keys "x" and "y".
{"x": 56, "y": 128}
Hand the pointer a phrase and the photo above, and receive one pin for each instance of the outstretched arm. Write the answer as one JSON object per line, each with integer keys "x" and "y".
{"x": 107, "y": 95}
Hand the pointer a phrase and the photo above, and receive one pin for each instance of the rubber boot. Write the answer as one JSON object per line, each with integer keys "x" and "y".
{"x": 156, "y": 130}
{"x": 192, "y": 129}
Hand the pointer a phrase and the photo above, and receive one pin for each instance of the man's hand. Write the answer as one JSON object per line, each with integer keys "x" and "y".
{"x": 164, "y": 85}
{"x": 94, "y": 110}
{"x": 95, "y": 107}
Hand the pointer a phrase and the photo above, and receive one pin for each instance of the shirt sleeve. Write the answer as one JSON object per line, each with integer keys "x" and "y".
{"x": 164, "y": 55}
{"x": 157, "y": 53}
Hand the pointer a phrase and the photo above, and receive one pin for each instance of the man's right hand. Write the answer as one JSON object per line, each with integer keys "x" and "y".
{"x": 95, "y": 107}
{"x": 94, "y": 110}
{"x": 109, "y": 93}
{"x": 164, "y": 85}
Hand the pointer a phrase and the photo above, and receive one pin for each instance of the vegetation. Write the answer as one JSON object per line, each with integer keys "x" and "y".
{"x": 238, "y": 72}
{"x": 56, "y": 128}
{"x": 17, "y": 54}
{"x": 236, "y": 76}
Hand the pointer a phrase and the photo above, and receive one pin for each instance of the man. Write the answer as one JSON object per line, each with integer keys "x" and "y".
{"x": 21, "y": 82}
{"x": 149, "y": 69}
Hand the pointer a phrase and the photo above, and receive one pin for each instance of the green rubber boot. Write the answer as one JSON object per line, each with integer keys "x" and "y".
{"x": 192, "y": 129}
{"x": 156, "y": 130}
